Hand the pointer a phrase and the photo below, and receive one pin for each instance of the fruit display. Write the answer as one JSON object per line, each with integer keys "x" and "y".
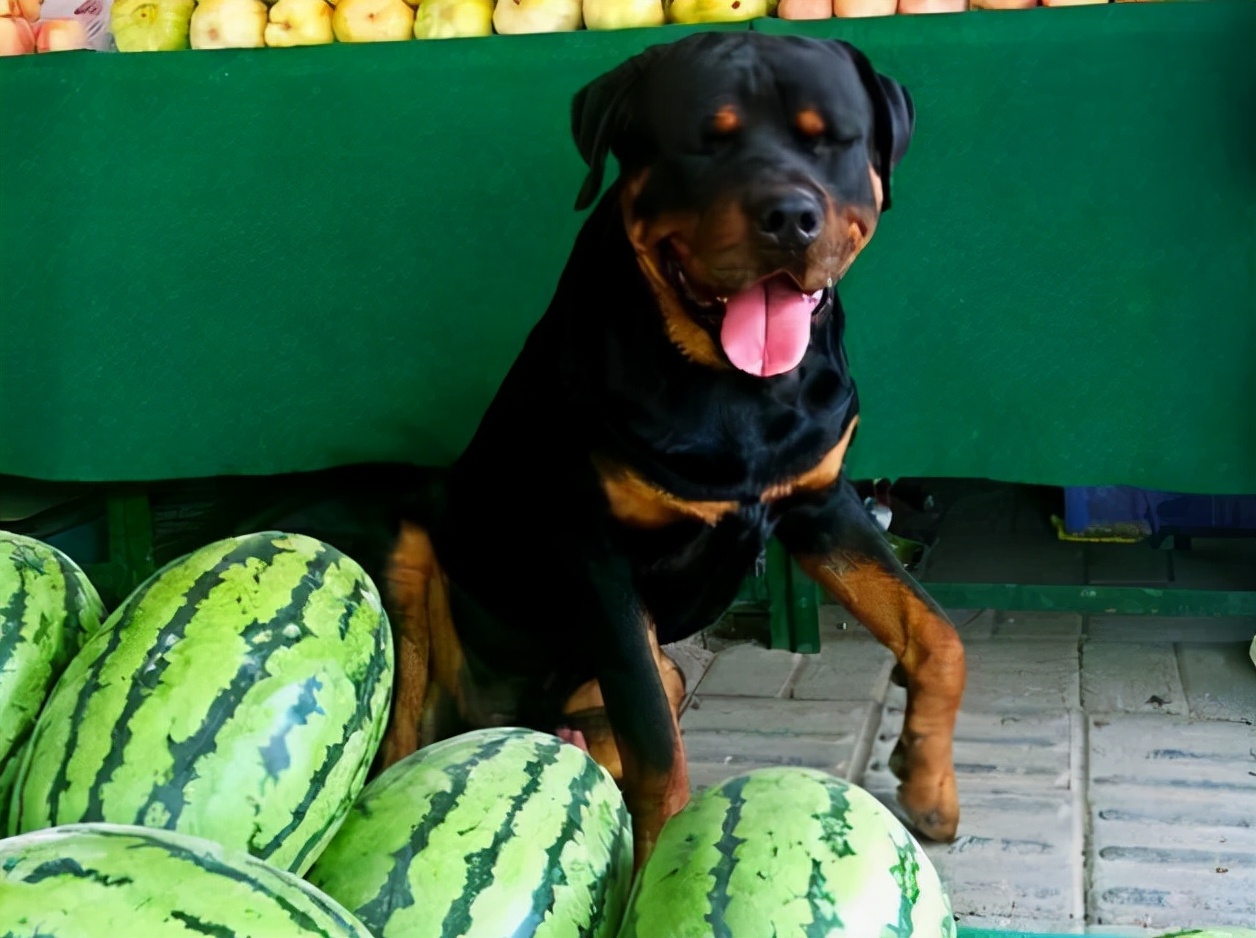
{"x": 158, "y": 25}
{"x": 239, "y": 694}
{"x": 787, "y": 851}
{"x": 24, "y": 29}
{"x": 89, "y": 880}
{"x": 495, "y": 832}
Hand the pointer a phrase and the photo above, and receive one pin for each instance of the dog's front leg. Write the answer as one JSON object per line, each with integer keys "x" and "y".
{"x": 655, "y": 777}
{"x": 838, "y": 545}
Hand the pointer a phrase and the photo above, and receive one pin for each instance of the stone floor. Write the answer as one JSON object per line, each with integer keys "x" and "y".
{"x": 1107, "y": 765}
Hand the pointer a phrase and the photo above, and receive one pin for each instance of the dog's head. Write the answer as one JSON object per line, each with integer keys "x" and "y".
{"x": 753, "y": 171}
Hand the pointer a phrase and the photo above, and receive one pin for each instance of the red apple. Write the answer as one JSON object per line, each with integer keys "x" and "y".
{"x": 16, "y": 36}
{"x": 61, "y": 34}
{"x": 861, "y": 8}
{"x": 805, "y": 9}
{"x": 932, "y": 6}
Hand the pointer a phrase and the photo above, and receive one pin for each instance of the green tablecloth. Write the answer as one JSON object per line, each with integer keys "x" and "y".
{"x": 274, "y": 260}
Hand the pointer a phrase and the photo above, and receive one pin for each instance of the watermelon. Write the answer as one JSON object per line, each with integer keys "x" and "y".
{"x": 47, "y": 607}
{"x": 122, "y": 881}
{"x": 787, "y": 852}
{"x": 494, "y": 833}
{"x": 239, "y": 694}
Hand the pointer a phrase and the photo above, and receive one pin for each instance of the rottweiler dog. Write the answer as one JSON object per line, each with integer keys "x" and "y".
{"x": 685, "y": 397}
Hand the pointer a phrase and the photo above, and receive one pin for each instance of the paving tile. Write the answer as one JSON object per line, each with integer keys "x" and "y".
{"x": 1031, "y": 753}
{"x": 1173, "y": 752}
{"x": 1220, "y": 681}
{"x": 1016, "y": 857}
{"x": 1171, "y": 628}
{"x": 749, "y": 671}
{"x": 1019, "y": 852}
{"x": 1164, "y": 896}
{"x": 1126, "y": 565}
{"x": 1172, "y": 803}
{"x": 770, "y": 716}
{"x": 1023, "y": 675}
{"x": 1131, "y": 678}
{"x": 845, "y": 669}
{"x": 1021, "y": 624}
{"x": 725, "y": 736}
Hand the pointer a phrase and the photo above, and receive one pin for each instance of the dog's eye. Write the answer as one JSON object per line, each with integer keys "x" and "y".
{"x": 811, "y": 123}
{"x": 725, "y": 121}
{"x": 722, "y": 128}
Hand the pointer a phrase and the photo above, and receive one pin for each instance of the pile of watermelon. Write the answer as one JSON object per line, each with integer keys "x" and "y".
{"x": 196, "y": 763}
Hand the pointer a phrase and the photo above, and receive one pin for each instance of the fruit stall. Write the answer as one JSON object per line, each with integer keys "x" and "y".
{"x": 258, "y": 260}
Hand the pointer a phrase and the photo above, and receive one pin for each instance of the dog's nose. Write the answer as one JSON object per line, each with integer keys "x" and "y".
{"x": 792, "y": 220}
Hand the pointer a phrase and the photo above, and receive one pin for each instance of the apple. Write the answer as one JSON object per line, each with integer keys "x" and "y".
{"x": 714, "y": 11}
{"x": 17, "y": 37}
{"x": 30, "y": 9}
{"x": 623, "y": 14}
{"x": 515, "y": 17}
{"x": 150, "y": 25}
{"x": 1002, "y": 4}
{"x": 932, "y": 6}
{"x": 299, "y": 23}
{"x": 859, "y": 8}
{"x": 805, "y": 9}
{"x": 373, "y": 20}
{"x": 60, "y": 34}
{"x": 452, "y": 19}
{"x": 228, "y": 24}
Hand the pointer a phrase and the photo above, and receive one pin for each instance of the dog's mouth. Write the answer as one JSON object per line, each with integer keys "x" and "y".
{"x": 764, "y": 328}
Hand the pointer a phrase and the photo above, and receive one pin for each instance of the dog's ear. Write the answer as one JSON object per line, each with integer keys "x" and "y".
{"x": 602, "y": 120}
{"x": 893, "y": 115}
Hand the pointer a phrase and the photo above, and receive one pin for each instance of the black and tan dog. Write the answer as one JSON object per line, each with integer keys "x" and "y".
{"x": 685, "y": 396}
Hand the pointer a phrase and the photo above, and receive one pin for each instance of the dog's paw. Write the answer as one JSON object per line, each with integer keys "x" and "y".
{"x": 927, "y": 792}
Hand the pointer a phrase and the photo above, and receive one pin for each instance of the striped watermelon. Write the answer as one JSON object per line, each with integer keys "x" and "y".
{"x": 787, "y": 853}
{"x": 494, "y": 833}
{"x": 94, "y": 880}
{"x": 239, "y": 695}
{"x": 47, "y": 607}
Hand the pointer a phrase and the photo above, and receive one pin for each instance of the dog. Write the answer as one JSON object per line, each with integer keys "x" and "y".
{"x": 685, "y": 397}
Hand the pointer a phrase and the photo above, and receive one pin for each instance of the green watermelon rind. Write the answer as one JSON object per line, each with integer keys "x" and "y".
{"x": 494, "y": 832}
{"x": 86, "y": 880}
{"x": 788, "y": 851}
{"x": 48, "y": 607}
{"x": 239, "y": 693}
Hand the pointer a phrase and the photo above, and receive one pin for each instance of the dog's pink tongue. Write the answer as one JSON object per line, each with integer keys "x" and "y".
{"x": 766, "y": 328}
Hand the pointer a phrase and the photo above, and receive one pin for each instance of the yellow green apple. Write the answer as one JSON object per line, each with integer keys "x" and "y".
{"x": 228, "y": 24}
{"x": 453, "y": 19}
{"x": 372, "y": 20}
{"x": 150, "y": 25}
{"x": 537, "y": 16}
{"x": 622, "y": 14}
{"x": 714, "y": 11}
{"x": 299, "y": 23}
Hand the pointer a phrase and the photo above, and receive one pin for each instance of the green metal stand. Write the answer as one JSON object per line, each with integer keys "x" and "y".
{"x": 130, "y": 558}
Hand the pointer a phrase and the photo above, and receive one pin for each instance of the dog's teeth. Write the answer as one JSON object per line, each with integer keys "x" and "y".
{"x": 829, "y": 283}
